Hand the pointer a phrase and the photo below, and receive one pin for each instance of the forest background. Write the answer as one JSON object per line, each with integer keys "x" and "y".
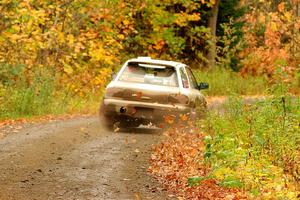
{"x": 56, "y": 56}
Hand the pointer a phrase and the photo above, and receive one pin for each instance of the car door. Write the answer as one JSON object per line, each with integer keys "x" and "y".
{"x": 188, "y": 87}
{"x": 199, "y": 100}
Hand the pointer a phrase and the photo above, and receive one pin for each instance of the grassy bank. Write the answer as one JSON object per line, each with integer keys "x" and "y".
{"x": 43, "y": 95}
{"x": 225, "y": 82}
{"x": 247, "y": 151}
{"x": 256, "y": 147}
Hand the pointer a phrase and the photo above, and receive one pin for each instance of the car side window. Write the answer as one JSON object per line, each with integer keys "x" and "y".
{"x": 184, "y": 78}
{"x": 192, "y": 78}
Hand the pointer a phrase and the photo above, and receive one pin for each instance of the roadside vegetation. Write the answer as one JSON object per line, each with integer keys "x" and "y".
{"x": 226, "y": 82}
{"x": 256, "y": 146}
{"x": 41, "y": 95}
{"x": 249, "y": 150}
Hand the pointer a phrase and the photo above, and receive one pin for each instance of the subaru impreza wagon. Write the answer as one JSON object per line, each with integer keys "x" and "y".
{"x": 152, "y": 91}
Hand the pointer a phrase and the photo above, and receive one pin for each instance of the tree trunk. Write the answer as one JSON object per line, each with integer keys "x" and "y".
{"x": 298, "y": 9}
{"x": 212, "y": 24}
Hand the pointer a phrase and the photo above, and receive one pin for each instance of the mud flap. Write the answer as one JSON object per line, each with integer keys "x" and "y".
{"x": 105, "y": 120}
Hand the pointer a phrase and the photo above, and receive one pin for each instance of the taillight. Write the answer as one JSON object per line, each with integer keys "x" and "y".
{"x": 178, "y": 99}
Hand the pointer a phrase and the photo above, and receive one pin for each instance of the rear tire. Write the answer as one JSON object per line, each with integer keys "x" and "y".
{"x": 129, "y": 123}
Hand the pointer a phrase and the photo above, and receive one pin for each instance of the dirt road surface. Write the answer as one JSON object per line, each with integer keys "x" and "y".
{"x": 77, "y": 159}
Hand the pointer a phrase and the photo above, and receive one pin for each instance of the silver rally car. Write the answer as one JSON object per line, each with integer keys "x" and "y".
{"x": 152, "y": 91}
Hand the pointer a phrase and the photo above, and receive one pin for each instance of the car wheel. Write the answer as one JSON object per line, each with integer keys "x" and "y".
{"x": 129, "y": 123}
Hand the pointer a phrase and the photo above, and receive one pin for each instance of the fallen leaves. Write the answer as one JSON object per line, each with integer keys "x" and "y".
{"x": 137, "y": 151}
{"x": 83, "y": 129}
{"x": 180, "y": 157}
{"x": 169, "y": 119}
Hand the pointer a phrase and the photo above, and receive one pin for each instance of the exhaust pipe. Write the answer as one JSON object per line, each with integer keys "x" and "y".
{"x": 123, "y": 110}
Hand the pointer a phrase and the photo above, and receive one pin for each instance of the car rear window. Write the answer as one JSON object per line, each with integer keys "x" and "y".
{"x": 149, "y": 73}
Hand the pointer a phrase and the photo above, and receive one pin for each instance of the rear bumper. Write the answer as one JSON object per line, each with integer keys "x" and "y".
{"x": 153, "y": 112}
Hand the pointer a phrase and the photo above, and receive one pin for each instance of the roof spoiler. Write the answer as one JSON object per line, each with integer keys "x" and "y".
{"x": 144, "y": 58}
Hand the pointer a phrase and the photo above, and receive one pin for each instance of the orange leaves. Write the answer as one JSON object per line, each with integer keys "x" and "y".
{"x": 159, "y": 45}
{"x": 179, "y": 157}
{"x": 183, "y": 117}
{"x": 272, "y": 42}
{"x": 170, "y": 119}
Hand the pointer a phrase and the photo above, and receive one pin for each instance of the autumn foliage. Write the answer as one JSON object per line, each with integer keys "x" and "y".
{"x": 178, "y": 162}
{"x": 69, "y": 38}
{"x": 272, "y": 36}
{"x": 242, "y": 151}
{"x": 79, "y": 43}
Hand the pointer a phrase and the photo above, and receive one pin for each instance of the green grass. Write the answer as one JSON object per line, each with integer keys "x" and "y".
{"x": 257, "y": 145}
{"x": 225, "y": 82}
{"x": 25, "y": 103}
{"x": 42, "y": 96}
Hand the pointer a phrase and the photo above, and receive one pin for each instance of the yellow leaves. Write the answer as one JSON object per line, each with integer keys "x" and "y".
{"x": 268, "y": 178}
{"x": 60, "y": 37}
{"x": 68, "y": 68}
{"x": 182, "y": 19}
{"x": 121, "y": 36}
{"x": 221, "y": 173}
{"x": 46, "y": 34}
{"x": 194, "y": 17}
{"x": 213, "y": 2}
{"x": 90, "y": 35}
{"x": 208, "y": 2}
{"x": 16, "y": 28}
{"x": 126, "y": 22}
{"x": 78, "y": 47}
{"x": 274, "y": 26}
{"x": 101, "y": 78}
{"x": 70, "y": 39}
{"x": 288, "y": 16}
{"x": 97, "y": 53}
{"x": 5, "y": 1}
{"x": 11, "y": 37}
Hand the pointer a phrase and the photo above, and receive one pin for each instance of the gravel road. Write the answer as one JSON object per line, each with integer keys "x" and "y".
{"x": 77, "y": 159}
